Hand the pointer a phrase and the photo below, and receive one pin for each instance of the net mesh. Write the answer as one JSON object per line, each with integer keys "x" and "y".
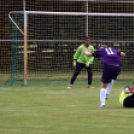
{"x": 53, "y": 40}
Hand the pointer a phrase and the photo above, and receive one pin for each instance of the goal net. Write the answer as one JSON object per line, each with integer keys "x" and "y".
{"x": 53, "y": 37}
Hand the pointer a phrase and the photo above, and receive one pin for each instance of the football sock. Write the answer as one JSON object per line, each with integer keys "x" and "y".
{"x": 102, "y": 96}
{"x": 109, "y": 86}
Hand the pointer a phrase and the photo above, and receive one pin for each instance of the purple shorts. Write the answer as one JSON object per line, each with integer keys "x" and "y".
{"x": 110, "y": 72}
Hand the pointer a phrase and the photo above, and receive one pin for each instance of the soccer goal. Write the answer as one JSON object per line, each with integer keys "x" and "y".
{"x": 43, "y": 42}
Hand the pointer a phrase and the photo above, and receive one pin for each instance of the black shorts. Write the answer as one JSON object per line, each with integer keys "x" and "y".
{"x": 129, "y": 101}
{"x": 110, "y": 72}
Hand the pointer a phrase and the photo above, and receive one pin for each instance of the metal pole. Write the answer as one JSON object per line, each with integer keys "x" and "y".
{"x": 25, "y": 44}
{"x": 87, "y": 18}
{"x": 80, "y": 13}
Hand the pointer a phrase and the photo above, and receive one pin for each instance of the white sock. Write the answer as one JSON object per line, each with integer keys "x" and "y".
{"x": 102, "y": 96}
{"x": 109, "y": 86}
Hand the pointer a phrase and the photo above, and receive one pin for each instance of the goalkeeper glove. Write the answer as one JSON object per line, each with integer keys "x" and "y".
{"x": 74, "y": 63}
{"x": 87, "y": 64}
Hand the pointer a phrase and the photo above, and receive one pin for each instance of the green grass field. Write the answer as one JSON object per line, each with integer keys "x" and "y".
{"x": 54, "y": 109}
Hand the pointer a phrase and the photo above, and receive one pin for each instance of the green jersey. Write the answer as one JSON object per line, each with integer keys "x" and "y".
{"x": 81, "y": 57}
{"x": 123, "y": 96}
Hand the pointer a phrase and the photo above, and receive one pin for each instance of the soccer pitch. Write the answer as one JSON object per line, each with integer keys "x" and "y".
{"x": 54, "y": 109}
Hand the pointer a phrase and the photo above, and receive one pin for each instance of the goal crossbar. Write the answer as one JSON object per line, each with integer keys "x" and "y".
{"x": 68, "y": 14}
{"x": 82, "y": 14}
{"x": 74, "y": 14}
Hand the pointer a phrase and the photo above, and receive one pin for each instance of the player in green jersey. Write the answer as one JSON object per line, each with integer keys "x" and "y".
{"x": 80, "y": 60}
{"x": 126, "y": 97}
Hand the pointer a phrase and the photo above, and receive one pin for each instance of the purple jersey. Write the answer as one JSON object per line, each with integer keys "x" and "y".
{"x": 108, "y": 56}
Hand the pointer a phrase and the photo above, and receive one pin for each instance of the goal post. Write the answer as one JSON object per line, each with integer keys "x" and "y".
{"x": 51, "y": 38}
{"x": 25, "y": 43}
{"x": 25, "y": 48}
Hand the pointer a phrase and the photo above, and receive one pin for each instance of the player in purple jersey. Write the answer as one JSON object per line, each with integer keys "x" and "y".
{"x": 111, "y": 59}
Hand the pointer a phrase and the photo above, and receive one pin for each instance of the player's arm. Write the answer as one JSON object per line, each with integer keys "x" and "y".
{"x": 86, "y": 52}
{"x": 91, "y": 59}
{"x": 122, "y": 55}
{"x": 129, "y": 91}
{"x": 75, "y": 57}
{"x": 77, "y": 53}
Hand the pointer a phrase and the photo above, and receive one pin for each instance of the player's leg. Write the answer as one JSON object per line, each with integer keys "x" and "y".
{"x": 115, "y": 70}
{"x": 90, "y": 76}
{"x": 103, "y": 94}
{"x": 109, "y": 73}
{"x": 79, "y": 67}
{"x": 108, "y": 89}
{"x": 106, "y": 78}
